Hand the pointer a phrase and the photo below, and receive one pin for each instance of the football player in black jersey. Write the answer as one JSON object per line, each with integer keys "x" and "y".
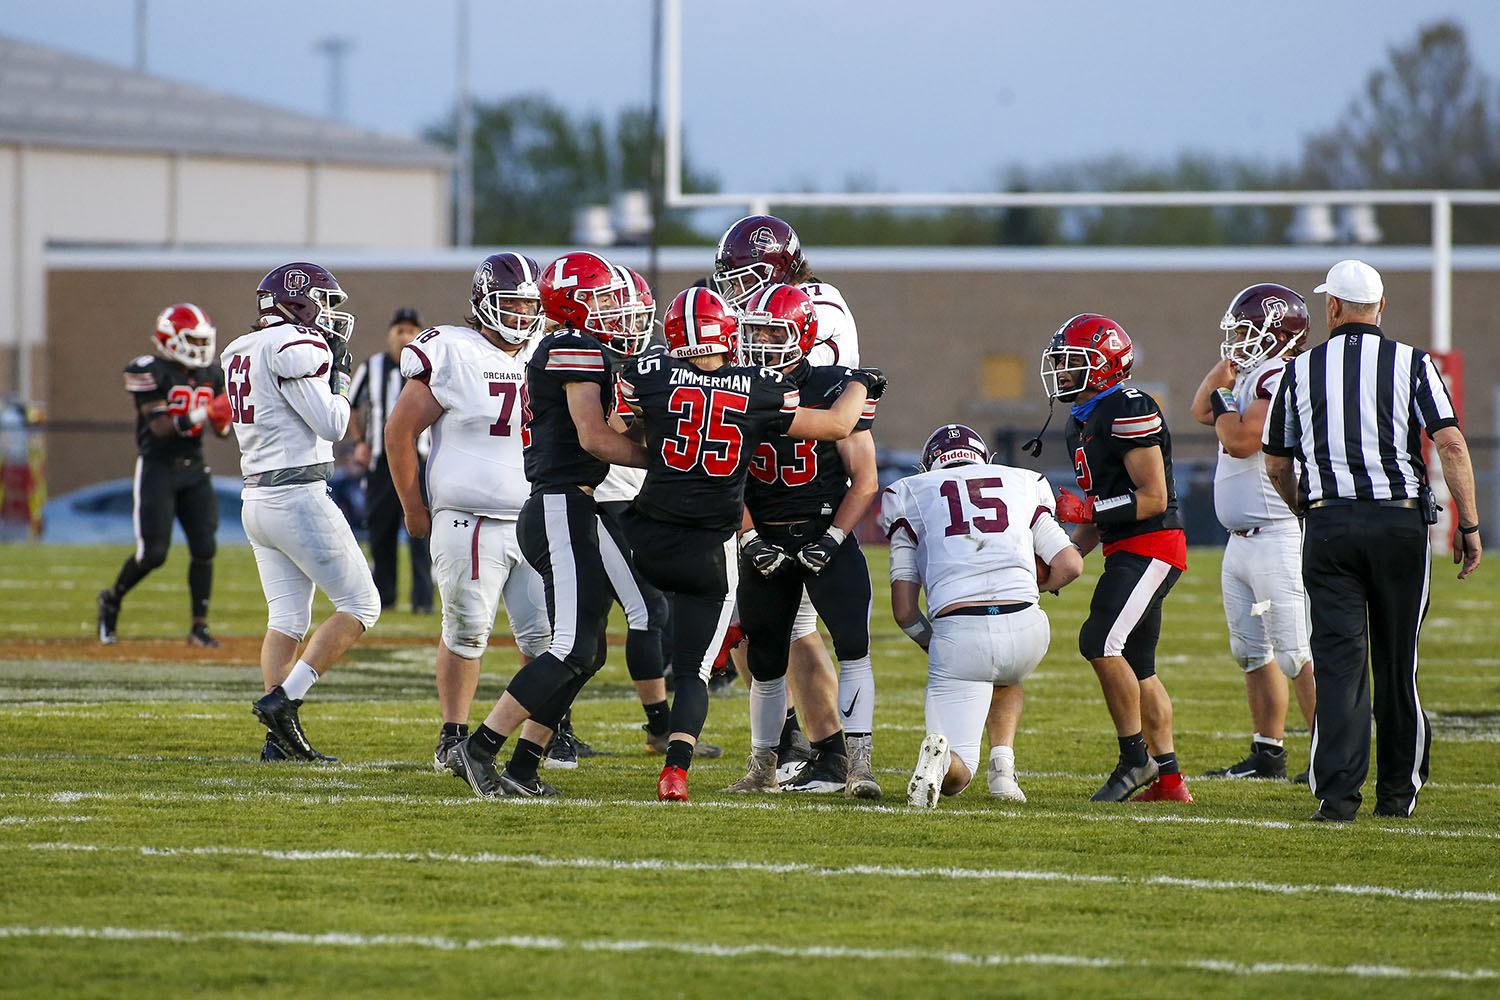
{"x": 1122, "y": 456}
{"x": 569, "y": 445}
{"x": 802, "y": 503}
{"x": 176, "y": 392}
{"x": 704, "y": 418}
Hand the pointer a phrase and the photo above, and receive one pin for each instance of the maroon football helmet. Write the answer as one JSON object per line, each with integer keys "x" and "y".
{"x": 505, "y": 297}
{"x": 184, "y": 334}
{"x": 953, "y": 444}
{"x": 1092, "y": 350}
{"x": 307, "y": 295}
{"x": 699, "y": 323}
{"x": 582, "y": 290}
{"x": 1263, "y": 322}
{"x": 778, "y": 325}
{"x": 758, "y": 250}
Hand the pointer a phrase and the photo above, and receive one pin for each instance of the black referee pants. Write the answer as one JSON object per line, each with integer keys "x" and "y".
{"x": 384, "y": 517}
{"x": 1366, "y": 570}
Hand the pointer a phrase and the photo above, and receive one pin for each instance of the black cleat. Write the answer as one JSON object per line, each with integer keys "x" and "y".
{"x": 1126, "y": 780}
{"x": 279, "y": 714}
{"x": 826, "y": 772}
{"x": 1323, "y": 815}
{"x": 794, "y": 754}
{"x": 535, "y": 788}
{"x": 477, "y": 770}
{"x": 1265, "y": 761}
{"x": 563, "y": 750}
{"x": 275, "y": 751}
{"x": 109, "y": 618}
{"x": 199, "y": 635}
{"x": 1301, "y": 778}
{"x": 441, "y": 759}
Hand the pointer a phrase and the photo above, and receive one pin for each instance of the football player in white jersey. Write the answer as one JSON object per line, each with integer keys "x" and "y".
{"x": 288, "y": 387}
{"x": 754, "y": 253}
{"x": 1264, "y": 327}
{"x": 974, "y": 536}
{"x": 466, "y": 383}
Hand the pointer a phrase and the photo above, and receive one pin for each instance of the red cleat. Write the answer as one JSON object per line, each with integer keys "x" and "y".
{"x": 733, "y": 636}
{"x": 672, "y": 785}
{"x": 1166, "y": 788}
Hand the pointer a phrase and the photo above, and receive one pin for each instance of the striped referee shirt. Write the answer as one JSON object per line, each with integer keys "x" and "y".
{"x": 376, "y": 386}
{"x": 1352, "y": 411}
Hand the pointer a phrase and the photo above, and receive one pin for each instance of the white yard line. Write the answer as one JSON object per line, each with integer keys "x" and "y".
{"x": 731, "y": 951}
{"x": 789, "y": 867}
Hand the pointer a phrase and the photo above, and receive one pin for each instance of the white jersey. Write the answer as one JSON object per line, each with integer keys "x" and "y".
{"x": 475, "y": 464}
{"x": 286, "y": 415}
{"x": 970, "y": 533}
{"x": 838, "y": 338}
{"x": 1243, "y": 495}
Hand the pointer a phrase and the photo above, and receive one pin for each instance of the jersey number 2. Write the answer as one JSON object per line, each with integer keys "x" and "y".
{"x": 958, "y": 524}
{"x": 703, "y": 437}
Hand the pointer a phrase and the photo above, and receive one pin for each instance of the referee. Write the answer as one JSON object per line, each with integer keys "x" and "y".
{"x": 1352, "y": 411}
{"x": 377, "y": 384}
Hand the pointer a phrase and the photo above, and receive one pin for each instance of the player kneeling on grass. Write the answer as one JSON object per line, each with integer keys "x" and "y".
{"x": 972, "y": 535}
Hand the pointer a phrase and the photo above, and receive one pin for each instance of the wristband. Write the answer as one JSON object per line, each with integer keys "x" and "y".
{"x": 1474, "y": 530}
{"x": 919, "y": 631}
{"x": 1115, "y": 510}
{"x": 839, "y": 534}
{"x": 1222, "y": 402}
{"x": 747, "y": 536}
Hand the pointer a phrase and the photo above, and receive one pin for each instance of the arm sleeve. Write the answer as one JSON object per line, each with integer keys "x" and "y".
{"x": 904, "y": 559}
{"x": 326, "y": 412}
{"x": 1048, "y": 538}
{"x": 1280, "y": 435}
{"x": 1429, "y": 397}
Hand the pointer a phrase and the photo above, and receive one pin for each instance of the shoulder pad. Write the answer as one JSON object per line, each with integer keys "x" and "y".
{"x": 142, "y": 363}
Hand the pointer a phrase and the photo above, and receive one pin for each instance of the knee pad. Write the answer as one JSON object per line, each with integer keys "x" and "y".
{"x": 366, "y": 607}
{"x": 292, "y": 623}
{"x": 151, "y": 557}
{"x": 1249, "y": 658}
{"x": 1292, "y": 663}
{"x": 1091, "y": 641}
{"x": 533, "y": 644}
{"x": 470, "y": 646}
{"x": 643, "y": 655}
{"x": 204, "y": 550}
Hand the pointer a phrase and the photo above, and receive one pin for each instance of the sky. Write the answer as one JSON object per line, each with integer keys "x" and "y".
{"x": 894, "y": 95}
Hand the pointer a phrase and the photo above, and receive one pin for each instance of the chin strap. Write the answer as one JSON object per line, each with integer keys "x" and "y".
{"x": 1034, "y": 446}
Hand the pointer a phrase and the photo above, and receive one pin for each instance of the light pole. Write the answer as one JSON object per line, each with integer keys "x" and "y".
{"x": 464, "y": 180}
{"x": 335, "y": 49}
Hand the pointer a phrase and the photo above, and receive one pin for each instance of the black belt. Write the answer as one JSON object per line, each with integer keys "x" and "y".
{"x": 1247, "y": 532}
{"x": 320, "y": 473}
{"x": 813, "y": 528}
{"x": 984, "y": 609}
{"x": 1408, "y": 503}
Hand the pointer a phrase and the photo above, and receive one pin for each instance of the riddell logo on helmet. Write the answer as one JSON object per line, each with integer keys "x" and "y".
{"x": 763, "y": 241}
{"x": 295, "y": 281}
{"x": 1276, "y": 310}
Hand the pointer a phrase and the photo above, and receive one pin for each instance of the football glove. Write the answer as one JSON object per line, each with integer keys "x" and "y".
{"x": 767, "y": 558}
{"x": 220, "y": 413}
{"x": 343, "y": 362}
{"x": 1074, "y": 509}
{"x": 817, "y": 555}
{"x": 874, "y": 380}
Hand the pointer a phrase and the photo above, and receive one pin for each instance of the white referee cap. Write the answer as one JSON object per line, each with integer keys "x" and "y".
{"x": 1353, "y": 281}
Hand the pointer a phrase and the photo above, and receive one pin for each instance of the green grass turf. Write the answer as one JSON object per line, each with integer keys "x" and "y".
{"x": 146, "y": 853}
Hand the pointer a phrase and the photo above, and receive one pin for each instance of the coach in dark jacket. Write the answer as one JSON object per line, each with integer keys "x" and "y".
{"x": 1352, "y": 411}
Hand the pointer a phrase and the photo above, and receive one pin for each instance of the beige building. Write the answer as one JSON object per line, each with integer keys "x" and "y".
{"x": 95, "y": 155}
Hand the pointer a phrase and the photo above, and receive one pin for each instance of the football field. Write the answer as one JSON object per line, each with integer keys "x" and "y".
{"x": 147, "y": 852}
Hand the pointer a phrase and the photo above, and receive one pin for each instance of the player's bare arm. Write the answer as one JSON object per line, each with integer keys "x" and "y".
{"x": 1220, "y": 376}
{"x": 1149, "y": 473}
{"x": 1458, "y": 473}
{"x": 595, "y": 434}
{"x": 905, "y": 609}
{"x": 1284, "y": 478}
{"x": 858, "y": 454}
{"x": 416, "y": 410}
{"x": 1086, "y": 538}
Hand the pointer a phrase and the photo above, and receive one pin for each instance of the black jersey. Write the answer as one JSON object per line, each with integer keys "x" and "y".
{"x": 702, "y": 429}
{"x": 1119, "y": 422}
{"x": 150, "y": 378}
{"x": 792, "y": 479}
{"x": 549, "y": 440}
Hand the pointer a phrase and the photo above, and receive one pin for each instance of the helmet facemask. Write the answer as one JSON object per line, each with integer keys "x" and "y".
{"x": 505, "y": 312}
{"x": 769, "y": 342}
{"x": 737, "y": 285}
{"x": 1079, "y": 363}
{"x": 1254, "y": 345}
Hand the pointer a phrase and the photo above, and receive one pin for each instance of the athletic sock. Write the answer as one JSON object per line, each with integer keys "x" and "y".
{"x": 455, "y": 730}
{"x": 834, "y": 744}
{"x": 1004, "y": 754}
{"x": 656, "y": 718}
{"x": 524, "y": 760}
{"x": 1166, "y": 762}
{"x": 767, "y": 713}
{"x": 857, "y": 696}
{"x": 485, "y": 742}
{"x": 302, "y": 677}
{"x": 790, "y": 726}
{"x": 1265, "y": 741}
{"x": 200, "y": 585}
{"x": 1133, "y": 749}
{"x": 680, "y": 754}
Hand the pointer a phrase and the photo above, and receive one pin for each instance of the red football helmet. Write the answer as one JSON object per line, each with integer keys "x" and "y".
{"x": 953, "y": 444}
{"x": 1263, "y": 322}
{"x": 1092, "y": 350}
{"x": 307, "y": 295}
{"x": 582, "y": 290}
{"x": 185, "y": 335}
{"x": 757, "y": 251}
{"x": 640, "y": 313}
{"x": 505, "y": 296}
{"x": 699, "y": 322}
{"x": 777, "y": 326}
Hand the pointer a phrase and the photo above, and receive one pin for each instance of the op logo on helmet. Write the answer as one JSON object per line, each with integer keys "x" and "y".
{"x": 763, "y": 241}
{"x": 294, "y": 281}
{"x": 487, "y": 273}
{"x": 1276, "y": 310}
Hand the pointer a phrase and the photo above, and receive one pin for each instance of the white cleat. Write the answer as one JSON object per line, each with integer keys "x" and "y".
{"x": 932, "y": 765}
{"x": 1002, "y": 782}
